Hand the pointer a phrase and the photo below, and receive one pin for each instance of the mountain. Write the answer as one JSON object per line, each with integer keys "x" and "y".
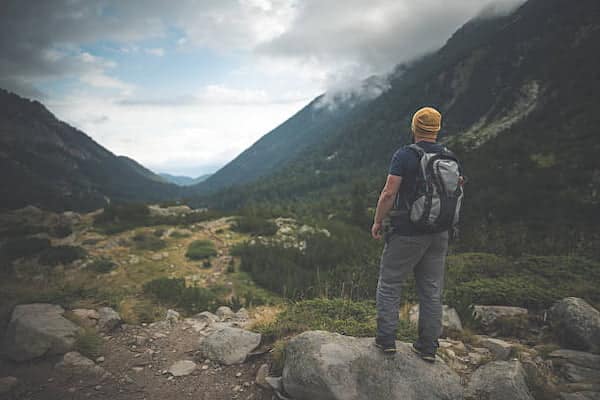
{"x": 184, "y": 180}
{"x": 143, "y": 171}
{"x": 309, "y": 126}
{"x": 49, "y": 164}
{"x": 519, "y": 95}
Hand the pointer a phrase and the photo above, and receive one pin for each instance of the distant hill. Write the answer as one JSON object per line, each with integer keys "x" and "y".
{"x": 184, "y": 180}
{"x": 520, "y": 96}
{"x": 49, "y": 164}
{"x": 145, "y": 172}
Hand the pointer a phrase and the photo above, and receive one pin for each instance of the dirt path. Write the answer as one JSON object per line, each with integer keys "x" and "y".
{"x": 137, "y": 358}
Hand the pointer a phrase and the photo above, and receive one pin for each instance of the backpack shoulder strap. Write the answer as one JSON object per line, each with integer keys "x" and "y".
{"x": 417, "y": 149}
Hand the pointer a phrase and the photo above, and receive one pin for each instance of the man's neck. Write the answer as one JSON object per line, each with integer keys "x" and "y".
{"x": 419, "y": 139}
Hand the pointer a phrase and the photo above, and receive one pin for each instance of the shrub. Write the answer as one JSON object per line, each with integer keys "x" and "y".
{"x": 179, "y": 235}
{"x": 158, "y": 232}
{"x": 174, "y": 292}
{"x": 102, "y": 265}
{"x": 201, "y": 249}
{"x": 335, "y": 315}
{"x": 89, "y": 343}
{"x": 61, "y": 230}
{"x": 23, "y": 247}
{"x": 206, "y": 264}
{"x": 116, "y": 217}
{"x": 144, "y": 241}
{"x": 146, "y": 312}
{"x": 255, "y": 226}
{"x": 61, "y": 255}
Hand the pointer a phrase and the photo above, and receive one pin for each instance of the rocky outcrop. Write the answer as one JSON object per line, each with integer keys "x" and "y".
{"x": 229, "y": 345}
{"x": 36, "y": 330}
{"x": 577, "y": 324}
{"x": 498, "y": 380}
{"x": 327, "y": 366}
{"x": 108, "y": 319}
{"x": 224, "y": 313}
{"x": 85, "y": 317}
{"x": 450, "y": 318}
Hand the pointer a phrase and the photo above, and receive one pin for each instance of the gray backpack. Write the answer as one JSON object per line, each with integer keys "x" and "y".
{"x": 435, "y": 206}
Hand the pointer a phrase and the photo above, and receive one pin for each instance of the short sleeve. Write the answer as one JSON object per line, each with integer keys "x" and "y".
{"x": 398, "y": 163}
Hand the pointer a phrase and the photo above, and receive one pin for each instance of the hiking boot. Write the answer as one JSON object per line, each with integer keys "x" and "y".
{"x": 387, "y": 346}
{"x": 427, "y": 355}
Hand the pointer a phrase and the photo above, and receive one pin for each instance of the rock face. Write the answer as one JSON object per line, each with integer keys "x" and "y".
{"x": 224, "y": 313}
{"x": 229, "y": 345}
{"x": 450, "y": 318}
{"x": 327, "y": 366}
{"x": 577, "y": 324}
{"x": 87, "y": 318}
{"x": 498, "y": 380}
{"x": 108, "y": 319}
{"x": 36, "y": 330}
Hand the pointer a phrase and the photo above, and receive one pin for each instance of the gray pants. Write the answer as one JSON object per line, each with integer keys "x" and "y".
{"x": 425, "y": 255}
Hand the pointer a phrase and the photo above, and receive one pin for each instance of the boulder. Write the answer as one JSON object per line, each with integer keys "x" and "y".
{"x": 328, "y": 366}
{"x": 229, "y": 345}
{"x": 76, "y": 365}
{"x": 224, "y": 313}
{"x": 576, "y": 366}
{"x": 488, "y": 315}
{"x": 182, "y": 368}
{"x": 172, "y": 317}
{"x": 207, "y": 317}
{"x": 85, "y": 317}
{"x": 261, "y": 376}
{"x": 242, "y": 314}
{"x": 450, "y": 318}
{"x": 108, "y": 319}
{"x": 499, "y": 348}
{"x": 36, "y": 330}
{"x": 498, "y": 380}
{"x": 8, "y": 384}
{"x": 577, "y": 324}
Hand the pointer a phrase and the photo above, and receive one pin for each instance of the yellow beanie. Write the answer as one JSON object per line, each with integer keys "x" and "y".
{"x": 426, "y": 123}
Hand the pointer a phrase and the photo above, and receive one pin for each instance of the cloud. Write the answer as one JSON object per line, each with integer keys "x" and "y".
{"x": 157, "y": 51}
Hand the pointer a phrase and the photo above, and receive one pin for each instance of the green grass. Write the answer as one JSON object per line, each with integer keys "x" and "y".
{"x": 179, "y": 235}
{"x": 23, "y": 247}
{"x": 201, "y": 249}
{"x": 174, "y": 292}
{"x": 353, "y": 318}
{"x": 255, "y": 226}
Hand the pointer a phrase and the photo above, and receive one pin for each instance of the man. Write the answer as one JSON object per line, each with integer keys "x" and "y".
{"x": 407, "y": 249}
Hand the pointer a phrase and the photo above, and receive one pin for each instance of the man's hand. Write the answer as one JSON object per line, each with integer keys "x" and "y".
{"x": 376, "y": 230}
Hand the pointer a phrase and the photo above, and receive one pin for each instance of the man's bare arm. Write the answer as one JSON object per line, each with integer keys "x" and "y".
{"x": 385, "y": 203}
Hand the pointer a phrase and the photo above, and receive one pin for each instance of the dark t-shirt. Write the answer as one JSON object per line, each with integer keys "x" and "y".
{"x": 405, "y": 164}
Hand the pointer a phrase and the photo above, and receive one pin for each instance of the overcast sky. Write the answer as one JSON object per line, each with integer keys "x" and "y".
{"x": 184, "y": 86}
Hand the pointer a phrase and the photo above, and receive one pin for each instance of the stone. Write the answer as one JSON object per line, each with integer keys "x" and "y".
{"x": 577, "y": 324}
{"x": 37, "y": 330}
{"x": 108, "y": 319}
{"x": 182, "y": 368}
{"x": 224, "y": 313}
{"x": 450, "y": 318}
{"x": 580, "y": 358}
{"x": 172, "y": 317}
{"x": 489, "y": 314}
{"x": 498, "y": 380}
{"x": 196, "y": 325}
{"x": 207, "y": 317}
{"x": 8, "y": 384}
{"x": 261, "y": 376}
{"x": 242, "y": 314}
{"x": 587, "y": 395}
{"x": 322, "y": 365}
{"x": 86, "y": 318}
{"x": 499, "y": 348}
{"x": 229, "y": 345}
{"x": 76, "y": 365}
